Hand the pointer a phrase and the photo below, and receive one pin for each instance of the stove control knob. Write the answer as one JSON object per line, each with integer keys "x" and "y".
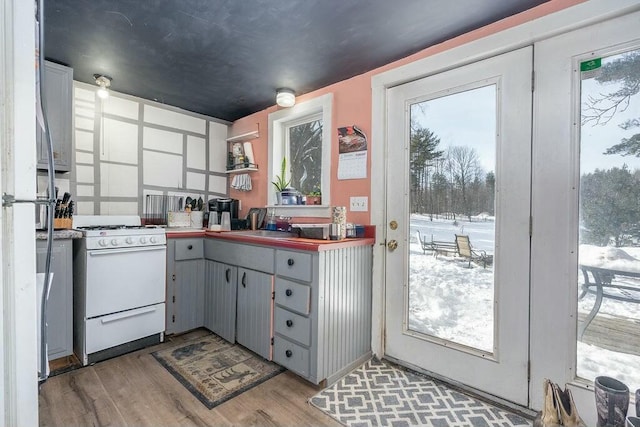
{"x": 102, "y": 242}
{"x": 114, "y": 242}
{"x": 129, "y": 240}
{"x": 143, "y": 240}
{"x": 153, "y": 240}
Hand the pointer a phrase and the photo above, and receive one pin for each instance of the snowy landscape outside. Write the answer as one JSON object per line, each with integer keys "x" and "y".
{"x": 449, "y": 300}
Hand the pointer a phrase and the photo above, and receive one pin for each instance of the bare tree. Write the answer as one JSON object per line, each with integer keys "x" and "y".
{"x": 463, "y": 165}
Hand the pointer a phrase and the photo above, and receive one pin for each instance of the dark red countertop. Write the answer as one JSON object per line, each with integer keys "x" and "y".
{"x": 297, "y": 243}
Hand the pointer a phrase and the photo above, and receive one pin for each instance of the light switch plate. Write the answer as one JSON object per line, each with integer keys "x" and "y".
{"x": 359, "y": 204}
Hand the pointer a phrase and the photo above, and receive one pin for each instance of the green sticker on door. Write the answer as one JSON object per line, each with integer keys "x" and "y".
{"x": 590, "y": 68}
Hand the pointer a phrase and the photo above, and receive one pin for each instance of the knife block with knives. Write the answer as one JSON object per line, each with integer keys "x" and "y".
{"x": 63, "y": 215}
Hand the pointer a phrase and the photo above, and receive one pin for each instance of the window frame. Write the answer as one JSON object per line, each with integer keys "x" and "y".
{"x": 279, "y": 123}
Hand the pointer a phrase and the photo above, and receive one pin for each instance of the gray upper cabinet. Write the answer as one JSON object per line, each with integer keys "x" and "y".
{"x": 60, "y": 303}
{"x": 58, "y": 93}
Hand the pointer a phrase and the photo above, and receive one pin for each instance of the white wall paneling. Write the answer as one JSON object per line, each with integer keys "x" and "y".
{"x": 84, "y": 123}
{"x": 80, "y": 93}
{"x": 217, "y": 145}
{"x": 120, "y": 141}
{"x": 196, "y": 181}
{"x": 84, "y": 158}
{"x": 196, "y": 153}
{"x": 168, "y": 118}
{"x": 83, "y": 139}
{"x": 85, "y": 208}
{"x": 162, "y": 170}
{"x": 162, "y": 140}
{"x": 218, "y": 184}
{"x": 119, "y": 208}
{"x": 121, "y": 107}
{"x": 84, "y": 190}
{"x": 84, "y": 174}
{"x": 128, "y": 147}
{"x": 118, "y": 180}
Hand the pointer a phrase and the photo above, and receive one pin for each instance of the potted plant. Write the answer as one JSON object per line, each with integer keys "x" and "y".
{"x": 281, "y": 182}
{"x": 314, "y": 198}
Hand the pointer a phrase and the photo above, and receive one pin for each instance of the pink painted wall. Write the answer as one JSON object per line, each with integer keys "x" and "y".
{"x": 352, "y": 106}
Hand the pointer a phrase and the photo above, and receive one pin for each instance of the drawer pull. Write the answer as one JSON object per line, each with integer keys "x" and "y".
{"x": 288, "y": 292}
{"x": 244, "y": 279}
{"x": 290, "y": 261}
{"x": 289, "y": 323}
{"x": 288, "y": 353}
{"x": 226, "y": 273}
{"x": 190, "y": 247}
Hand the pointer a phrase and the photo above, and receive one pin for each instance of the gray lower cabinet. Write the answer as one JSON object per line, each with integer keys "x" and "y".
{"x": 220, "y": 295}
{"x": 60, "y": 303}
{"x": 58, "y": 93}
{"x": 239, "y": 293}
{"x": 255, "y": 311}
{"x": 185, "y": 284}
{"x": 322, "y": 319}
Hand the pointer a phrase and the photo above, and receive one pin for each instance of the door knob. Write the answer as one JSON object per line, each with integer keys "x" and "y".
{"x": 392, "y": 245}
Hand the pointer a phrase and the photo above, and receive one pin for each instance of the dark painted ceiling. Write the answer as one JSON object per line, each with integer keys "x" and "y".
{"x": 225, "y": 58}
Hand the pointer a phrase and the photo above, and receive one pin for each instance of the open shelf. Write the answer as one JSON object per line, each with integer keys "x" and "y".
{"x": 249, "y": 169}
{"x": 244, "y": 137}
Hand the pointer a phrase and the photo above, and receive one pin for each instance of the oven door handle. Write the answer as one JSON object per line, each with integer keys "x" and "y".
{"x": 126, "y": 315}
{"x": 125, "y": 250}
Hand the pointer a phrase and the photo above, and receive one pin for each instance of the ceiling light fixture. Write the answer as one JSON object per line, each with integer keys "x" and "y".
{"x": 285, "y": 97}
{"x": 104, "y": 82}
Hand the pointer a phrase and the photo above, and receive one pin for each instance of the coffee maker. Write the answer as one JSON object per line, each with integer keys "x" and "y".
{"x": 217, "y": 206}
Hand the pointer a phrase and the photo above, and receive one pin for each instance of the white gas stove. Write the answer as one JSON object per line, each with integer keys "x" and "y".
{"x": 119, "y": 286}
{"x": 121, "y": 231}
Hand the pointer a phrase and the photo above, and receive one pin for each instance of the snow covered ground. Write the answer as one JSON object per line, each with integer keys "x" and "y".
{"x": 451, "y": 301}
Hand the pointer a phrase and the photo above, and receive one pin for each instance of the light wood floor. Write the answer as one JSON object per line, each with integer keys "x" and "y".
{"x": 135, "y": 390}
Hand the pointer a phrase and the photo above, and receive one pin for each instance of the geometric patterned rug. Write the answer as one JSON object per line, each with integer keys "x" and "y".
{"x": 214, "y": 370}
{"x": 378, "y": 394}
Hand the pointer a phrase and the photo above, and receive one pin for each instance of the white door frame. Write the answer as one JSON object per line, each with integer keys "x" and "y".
{"x": 510, "y": 76}
{"x": 555, "y": 213}
{"x": 575, "y": 17}
{"x": 18, "y": 364}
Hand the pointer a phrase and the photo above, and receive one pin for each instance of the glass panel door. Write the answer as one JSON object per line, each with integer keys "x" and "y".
{"x": 452, "y": 193}
{"x": 609, "y": 212}
{"x": 458, "y": 194}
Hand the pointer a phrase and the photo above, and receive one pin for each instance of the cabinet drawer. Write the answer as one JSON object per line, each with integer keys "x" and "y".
{"x": 295, "y": 265}
{"x": 293, "y": 296}
{"x": 189, "y": 249}
{"x": 119, "y": 328}
{"x": 292, "y": 356}
{"x": 293, "y": 326}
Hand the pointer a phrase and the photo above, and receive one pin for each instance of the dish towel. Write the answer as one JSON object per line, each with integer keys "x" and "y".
{"x": 241, "y": 182}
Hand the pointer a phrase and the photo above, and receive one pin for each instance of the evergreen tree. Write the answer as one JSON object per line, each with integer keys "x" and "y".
{"x": 423, "y": 150}
{"x": 610, "y": 205}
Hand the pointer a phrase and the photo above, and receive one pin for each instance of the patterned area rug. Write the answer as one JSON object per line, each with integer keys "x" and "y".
{"x": 378, "y": 394}
{"x": 214, "y": 370}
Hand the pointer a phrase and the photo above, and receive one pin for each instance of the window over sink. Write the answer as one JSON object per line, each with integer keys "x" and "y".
{"x": 302, "y": 135}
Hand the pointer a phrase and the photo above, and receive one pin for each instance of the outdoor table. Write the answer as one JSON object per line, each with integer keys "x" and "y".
{"x": 602, "y": 284}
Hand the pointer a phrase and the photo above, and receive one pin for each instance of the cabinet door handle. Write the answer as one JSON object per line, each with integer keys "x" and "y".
{"x": 288, "y": 353}
{"x": 190, "y": 247}
{"x": 244, "y": 279}
{"x": 290, "y": 261}
{"x": 227, "y": 273}
{"x": 288, "y": 292}
{"x": 289, "y": 323}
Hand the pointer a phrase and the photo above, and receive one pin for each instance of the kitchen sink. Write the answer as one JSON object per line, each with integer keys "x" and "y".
{"x": 272, "y": 234}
